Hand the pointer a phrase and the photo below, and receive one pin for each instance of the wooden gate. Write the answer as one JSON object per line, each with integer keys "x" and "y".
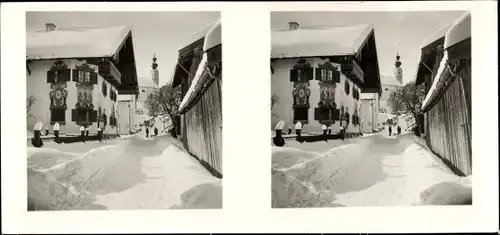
{"x": 450, "y": 124}
{"x": 203, "y": 123}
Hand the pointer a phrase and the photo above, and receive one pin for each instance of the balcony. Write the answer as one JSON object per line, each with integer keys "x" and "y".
{"x": 109, "y": 72}
{"x": 352, "y": 70}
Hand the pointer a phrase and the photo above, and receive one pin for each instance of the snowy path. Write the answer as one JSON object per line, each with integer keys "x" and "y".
{"x": 373, "y": 171}
{"x": 134, "y": 173}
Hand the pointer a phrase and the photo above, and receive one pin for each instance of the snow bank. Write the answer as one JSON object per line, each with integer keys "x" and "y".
{"x": 198, "y": 189}
{"x": 66, "y": 185}
{"x": 371, "y": 171}
{"x": 310, "y": 181}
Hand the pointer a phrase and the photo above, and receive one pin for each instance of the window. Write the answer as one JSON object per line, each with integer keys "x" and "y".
{"x": 104, "y": 89}
{"x": 83, "y": 76}
{"x": 347, "y": 87}
{"x": 57, "y": 115}
{"x": 326, "y": 114}
{"x": 326, "y": 75}
{"x": 300, "y": 114}
{"x": 301, "y": 74}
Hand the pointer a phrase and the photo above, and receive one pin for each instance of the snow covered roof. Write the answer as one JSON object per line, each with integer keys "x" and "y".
{"x": 319, "y": 41}
{"x": 199, "y": 34}
{"x": 368, "y": 96}
{"x": 146, "y": 82}
{"x": 437, "y": 84}
{"x": 390, "y": 81}
{"x": 213, "y": 37}
{"x": 435, "y": 36}
{"x": 75, "y": 42}
{"x": 199, "y": 79}
{"x": 461, "y": 30}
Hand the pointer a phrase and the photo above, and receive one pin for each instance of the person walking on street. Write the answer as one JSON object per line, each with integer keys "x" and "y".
{"x": 342, "y": 132}
{"x": 82, "y": 134}
{"x": 36, "y": 141}
{"x": 298, "y": 131}
{"x": 87, "y": 132}
{"x": 147, "y": 132}
{"x": 390, "y": 130}
{"x": 55, "y": 128}
{"x": 278, "y": 139}
{"x": 156, "y": 131}
{"x": 399, "y": 130}
{"x": 329, "y": 130}
{"x": 100, "y": 130}
{"x": 325, "y": 132}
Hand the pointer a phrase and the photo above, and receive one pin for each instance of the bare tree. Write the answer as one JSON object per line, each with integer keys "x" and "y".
{"x": 274, "y": 100}
{"x": 409, "y": 100}
{"x": 30, "y": 101}
{"x": 165, "y": 103}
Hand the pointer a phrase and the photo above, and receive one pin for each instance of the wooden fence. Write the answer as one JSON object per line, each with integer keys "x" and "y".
{"x": 449, "y": 124}
{"x": 203, "y": 128}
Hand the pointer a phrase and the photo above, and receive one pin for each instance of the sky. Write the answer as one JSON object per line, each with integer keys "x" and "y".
{"x": 399, "y": 30}
{"x": 160, "y": 33}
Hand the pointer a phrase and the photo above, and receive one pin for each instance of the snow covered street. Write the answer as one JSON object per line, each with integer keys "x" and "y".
{"x": 131, "y": 173}
{"x": 376, "y": 170}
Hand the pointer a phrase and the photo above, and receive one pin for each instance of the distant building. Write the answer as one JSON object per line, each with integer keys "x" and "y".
{"x": 77, "y": 74}
{"x": 199, "y": 74}
{"x": 390, "y": 84}
{"x": 319, "y": 74}
{"x": 370, "y": 108}
{"x": 445, "y": 71}
{"x": 146, "y": 88}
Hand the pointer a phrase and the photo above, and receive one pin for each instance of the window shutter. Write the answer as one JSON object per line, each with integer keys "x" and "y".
{"x": 93, "y": 115}
{"x": 65, "y": 74}
{"x": 75, "y": 75}
{"x": 309, "y": 73}
{"x": 294, "y": 75}
{"x": 50, "y": 76}
{"x": 74, "y": 115}
{"x": 318, "y": 74}
{"x": 336, "y": 76}
{"x": 93, "y": 78}
{"x": 58, "y": 115}
{"x": 336, "y": 114}
{"x": 317, "y": 114}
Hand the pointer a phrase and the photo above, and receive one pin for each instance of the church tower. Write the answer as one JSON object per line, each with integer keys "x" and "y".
{"x": 155, "y": 74}
{"x": 399, "y": 70}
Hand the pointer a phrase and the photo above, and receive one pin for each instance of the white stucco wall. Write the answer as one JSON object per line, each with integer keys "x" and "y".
{"x": 38, "y": 87}
{"x": 384, "y": 98}
{"x": 283, "y": 88}
{"x": 126, "y": 113}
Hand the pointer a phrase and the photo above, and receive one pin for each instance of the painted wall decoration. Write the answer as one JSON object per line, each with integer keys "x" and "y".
{"x": 328, "y": 75}
{"x": 57, "y": 76}
{"x": 300, "y": 75}
{"x": 85, "y": 78}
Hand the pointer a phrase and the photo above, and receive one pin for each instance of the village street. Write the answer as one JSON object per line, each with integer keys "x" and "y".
{"x": 375, "y": 170}
{"x": 130, "y": 173}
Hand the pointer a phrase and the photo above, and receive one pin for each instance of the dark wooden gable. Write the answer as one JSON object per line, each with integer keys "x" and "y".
{"x": 125, "y": 62}
{"x": 185, "y": 62}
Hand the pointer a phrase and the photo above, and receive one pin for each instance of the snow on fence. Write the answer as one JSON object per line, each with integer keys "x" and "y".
{"x": 449, "y": 123}
{"x": 203, "y": 123}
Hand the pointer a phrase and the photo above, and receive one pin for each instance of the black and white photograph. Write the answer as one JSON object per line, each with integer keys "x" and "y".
{"x": 371, "y": 108}
{"x": 123, "y": 110}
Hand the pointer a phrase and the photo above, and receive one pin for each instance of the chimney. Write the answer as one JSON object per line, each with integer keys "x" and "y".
{"x": 49, "y": 27}
{"x": 293, "y": 25}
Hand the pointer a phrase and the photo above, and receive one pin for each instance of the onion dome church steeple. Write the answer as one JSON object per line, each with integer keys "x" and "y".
{"x": 399, "y": 70}
{"x": 155, "y": 74}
